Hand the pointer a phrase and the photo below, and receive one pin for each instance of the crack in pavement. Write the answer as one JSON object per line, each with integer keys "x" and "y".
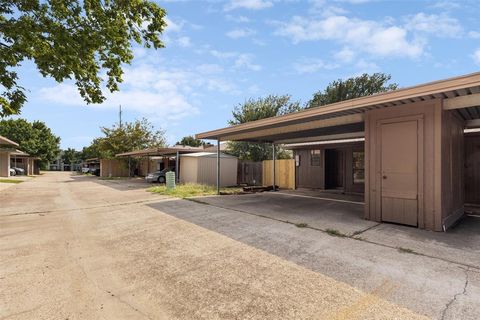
{"x": 118, "y": 204}
{"x": 455, "y": 296}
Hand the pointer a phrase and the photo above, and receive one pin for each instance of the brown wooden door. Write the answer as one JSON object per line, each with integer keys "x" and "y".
{"x": 399, "y": 172}
{"x": 472, "y": 169}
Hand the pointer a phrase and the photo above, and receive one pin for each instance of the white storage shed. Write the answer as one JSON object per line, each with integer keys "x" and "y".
{"x": 201, "y": 167}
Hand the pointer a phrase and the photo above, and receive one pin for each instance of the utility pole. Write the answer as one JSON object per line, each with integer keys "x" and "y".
{"x": 120, "y": 116}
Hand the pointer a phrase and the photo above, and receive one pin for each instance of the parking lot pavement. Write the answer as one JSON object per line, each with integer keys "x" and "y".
{"x": 81, "y": 248}
{"x": 432, "y": 286}
{"x": 343, "y": 217}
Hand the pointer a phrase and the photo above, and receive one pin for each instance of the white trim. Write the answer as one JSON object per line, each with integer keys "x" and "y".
{"x": 324, "y": 142}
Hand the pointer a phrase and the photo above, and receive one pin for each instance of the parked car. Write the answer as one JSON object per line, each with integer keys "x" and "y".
{"x": 12, "y": 172}
{"x": 85, "y": 170}
{"x": 18, "y": 171}
{"x": 158, "y": 176}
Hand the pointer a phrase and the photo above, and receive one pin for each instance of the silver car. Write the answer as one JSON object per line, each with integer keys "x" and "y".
{"x": 158, "y": 176}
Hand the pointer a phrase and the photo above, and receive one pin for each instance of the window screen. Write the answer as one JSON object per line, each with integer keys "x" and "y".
{"x": 358, "y": 167}
{"x": 315, "y": 158}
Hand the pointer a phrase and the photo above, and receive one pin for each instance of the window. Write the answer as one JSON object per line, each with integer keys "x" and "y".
{"x": 315, "y": 158}
{"x": 358, "y": 167}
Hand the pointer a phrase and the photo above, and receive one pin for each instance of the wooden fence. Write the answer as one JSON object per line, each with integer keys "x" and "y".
{"x": 249, "y": 172}
{"x": 284, "y": 173}
{"x": 113, "y": 168}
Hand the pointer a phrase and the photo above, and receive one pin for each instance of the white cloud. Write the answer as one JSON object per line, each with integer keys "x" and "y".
{"x": 345, "y": 55}
{"x": 247, "y": 4}
{"x": 173, "y": 26}
{"x": 184, "y": 42}
{"x": 446, "y": 5}
{"x": 476, "y": 56}
{"x": 245, "y": 61}
{"x": 438, "y": 25}
{"x": 152, "y": 90}
{"x": 365, "y": 35}
{"x": 209, "y": 68}
{"x": 240, "y": 60}
{"x": 474, "y": 34}
{"x": 305, "y": 66}
{"x": 239, "y": 19}
{"x": 240, "y": 33}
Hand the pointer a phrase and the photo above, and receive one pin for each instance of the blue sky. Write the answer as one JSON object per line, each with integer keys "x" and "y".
{"x": 218, "y": 54}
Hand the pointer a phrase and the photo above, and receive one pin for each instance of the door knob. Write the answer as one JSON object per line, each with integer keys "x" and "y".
{"x": 384, "y": 177}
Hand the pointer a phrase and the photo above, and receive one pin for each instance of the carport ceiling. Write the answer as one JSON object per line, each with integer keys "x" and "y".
{"x": 460, "y": 94}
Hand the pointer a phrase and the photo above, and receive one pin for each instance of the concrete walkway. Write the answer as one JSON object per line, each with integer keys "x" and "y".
{"x": 79, "y": 248}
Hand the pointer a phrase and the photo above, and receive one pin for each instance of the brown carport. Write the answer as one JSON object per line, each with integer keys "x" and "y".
{"x": 174, "y": 151}
{"x": 424, "y": 125}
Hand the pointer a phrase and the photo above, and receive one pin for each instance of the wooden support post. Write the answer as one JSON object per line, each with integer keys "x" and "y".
{"x": 273, "y": 166}
{"x": 218, "y": 166}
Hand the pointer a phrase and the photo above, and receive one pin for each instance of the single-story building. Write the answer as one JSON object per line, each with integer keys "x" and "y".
{"x": 23, "y": 160}
{"x": 201, "y": 167}
{"x": 7, "y": 146}
{"x": 156, "y": 159}
{"x": 414, "y": 148}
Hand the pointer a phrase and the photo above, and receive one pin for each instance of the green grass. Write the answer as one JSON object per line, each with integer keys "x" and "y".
{"x": 335, "y": 233}
{"x": 10, "y": 181}
{"x": 406, "y": 250}
{"x": 301, "y": 225}
{"x": 192, "y": 190}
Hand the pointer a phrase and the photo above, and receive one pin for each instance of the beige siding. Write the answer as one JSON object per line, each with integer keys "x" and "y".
{"x": 284, "y": 173}
{"x": 188, "y": 170}
{"x": 453, "y": 163}
{"x": 203, "y": 170}
{"x": 4, "y": 164}
{"x": 429, "y": 183}
{"x": 207, "y": 171}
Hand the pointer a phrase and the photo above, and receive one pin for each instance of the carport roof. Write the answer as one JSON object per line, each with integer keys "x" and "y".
{"x": 460, "y": 93}
{"x": 161, "y": 151}
{"x": 8, "y": 142}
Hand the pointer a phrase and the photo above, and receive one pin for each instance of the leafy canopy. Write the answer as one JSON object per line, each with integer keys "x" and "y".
{"x": 131, "y": 136}
{"x": 256, "y": 109}
{"x": 351, "y": 88}
{"x": 71, "y": 156}
{"x": 35, "y": 138}
{"x": 191, "y": 141}
{"x": 73, "y": 39}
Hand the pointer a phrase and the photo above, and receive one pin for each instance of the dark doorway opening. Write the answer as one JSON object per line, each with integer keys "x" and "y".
{"x": 334, "y": 169}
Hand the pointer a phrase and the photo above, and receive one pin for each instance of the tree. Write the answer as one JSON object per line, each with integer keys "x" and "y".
{"x": 74, "y": 39}
{"x": 71, "y": 156}
{"x": 256, "y": 109}
{"x": 136, "y": 135}
{"x": 351, "y": 88}
{"x": 34, "y": 138}
{"x": 191, "y": 141}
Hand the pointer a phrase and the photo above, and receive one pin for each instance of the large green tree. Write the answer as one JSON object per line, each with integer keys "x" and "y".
{"x": 80, "y": 40}
{"x": 35, "y": 138}
{"x": 71, "y": 156}
{"x": 351, "y": 88}
{"x": 191, "y": 141}
{"x": 256, "y": 109}
{"x": 136, "y": 135}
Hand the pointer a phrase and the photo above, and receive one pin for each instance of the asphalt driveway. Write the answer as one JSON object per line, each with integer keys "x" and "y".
{"x": 81, "y": 248}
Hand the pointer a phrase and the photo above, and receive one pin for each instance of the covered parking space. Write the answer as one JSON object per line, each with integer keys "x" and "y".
{"x": 166, "y": 157}
{"x": 414, "y": 153}
{"x": 7, "y": 146}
